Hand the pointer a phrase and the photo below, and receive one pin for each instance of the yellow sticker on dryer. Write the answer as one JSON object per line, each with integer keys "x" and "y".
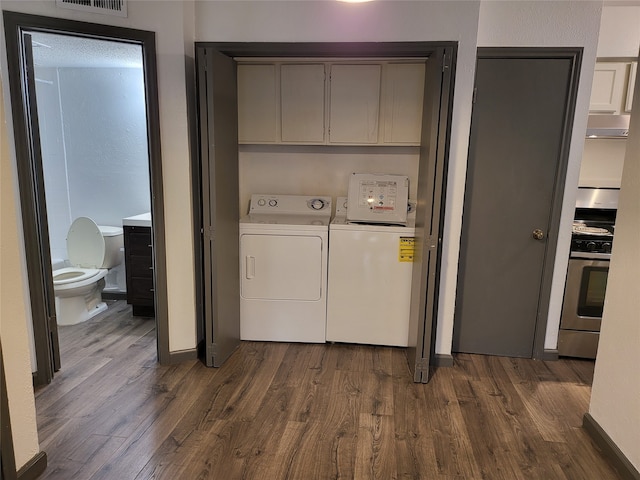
{"x": 407, "y": 247}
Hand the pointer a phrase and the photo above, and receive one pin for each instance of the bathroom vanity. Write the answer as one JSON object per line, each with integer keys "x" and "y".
{"x": 138, "y": 255}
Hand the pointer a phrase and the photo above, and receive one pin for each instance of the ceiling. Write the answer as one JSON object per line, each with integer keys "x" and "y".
{"x": 54, "y": 50}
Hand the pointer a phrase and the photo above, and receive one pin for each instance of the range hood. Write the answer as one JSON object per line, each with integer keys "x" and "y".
{"x": 608, "y": 126}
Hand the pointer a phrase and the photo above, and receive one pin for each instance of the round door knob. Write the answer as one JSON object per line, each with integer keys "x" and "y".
{"x": 538, "y": 234}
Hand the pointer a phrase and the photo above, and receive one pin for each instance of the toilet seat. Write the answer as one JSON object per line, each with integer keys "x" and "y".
{"x": 63, "y": 276}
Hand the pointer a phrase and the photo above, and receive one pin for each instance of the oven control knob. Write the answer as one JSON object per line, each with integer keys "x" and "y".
{"x": 606, "y": 247}
{"x": 273, "y": 203}
{"x": 591, "y": 246}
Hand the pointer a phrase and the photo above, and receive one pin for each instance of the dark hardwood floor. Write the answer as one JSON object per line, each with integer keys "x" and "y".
{"x": 306, "y": 412}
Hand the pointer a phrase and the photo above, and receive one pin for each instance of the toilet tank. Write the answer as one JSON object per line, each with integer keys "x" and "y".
{"x": 113, "y": 245}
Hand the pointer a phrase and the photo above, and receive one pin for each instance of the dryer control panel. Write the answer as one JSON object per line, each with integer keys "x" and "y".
{"x": 290, "y": 205}
{"x": 377, "y": 198}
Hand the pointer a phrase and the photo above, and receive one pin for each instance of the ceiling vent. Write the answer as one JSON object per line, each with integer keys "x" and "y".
{"x": 110, "y": 7}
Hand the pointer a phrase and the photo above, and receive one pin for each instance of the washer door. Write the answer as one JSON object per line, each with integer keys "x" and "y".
{"x": 279, "y": 267}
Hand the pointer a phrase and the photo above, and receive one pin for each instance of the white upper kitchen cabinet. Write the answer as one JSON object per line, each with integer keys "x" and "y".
{"x": 257, "y": 103}
{"x": 354, "y": 105}
{"x": 609, "y": 86}
{"x": 403, "y": 97}
{"x": 302, "y": 103}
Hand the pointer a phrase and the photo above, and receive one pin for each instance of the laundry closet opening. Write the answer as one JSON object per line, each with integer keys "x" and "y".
{"x": 251, "y": 140}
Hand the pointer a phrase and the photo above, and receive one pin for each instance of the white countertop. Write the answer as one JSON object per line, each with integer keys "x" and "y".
{"x": 142, "y": 220}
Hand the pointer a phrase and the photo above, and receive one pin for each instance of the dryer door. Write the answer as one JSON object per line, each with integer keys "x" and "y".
{"x": 281, "y": 267}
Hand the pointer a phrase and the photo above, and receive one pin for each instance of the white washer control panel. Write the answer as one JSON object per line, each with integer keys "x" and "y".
{"x": 378, "y": 198}
{"x": 290, "y": 205}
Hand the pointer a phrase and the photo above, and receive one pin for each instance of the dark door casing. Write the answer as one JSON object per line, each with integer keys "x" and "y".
{"x": 518, "y": 150}
{"x": 217, "y": 185}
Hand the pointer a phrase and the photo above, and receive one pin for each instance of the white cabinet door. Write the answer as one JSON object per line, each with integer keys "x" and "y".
{"x": 302, "y": 103}
{"x": 608, "y": 87}
{"x": 257, "y": 104}
{"x": 631, "y": 86}
{"x": 403, "y": 97}
{"x": 354, "y": 104}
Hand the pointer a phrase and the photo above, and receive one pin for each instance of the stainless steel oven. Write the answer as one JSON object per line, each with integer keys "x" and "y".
{"x": 586, "y": 286}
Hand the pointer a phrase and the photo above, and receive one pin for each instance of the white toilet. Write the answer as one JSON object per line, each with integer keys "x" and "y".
{"x": 92, "y": 251}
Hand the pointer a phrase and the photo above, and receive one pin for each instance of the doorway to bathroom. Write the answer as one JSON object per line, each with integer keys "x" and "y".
{"x": 86, "y": 126}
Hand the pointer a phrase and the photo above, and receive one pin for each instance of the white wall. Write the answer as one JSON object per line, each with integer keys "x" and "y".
{"x": 552, "y": 23}
{"x": 615, "y": 396}
{"x": 167, "y": 19}
{"x": 620, "y": 31}
{"x": 94, "y": 147}
{"x": 318, "y": 170}
{"x": 53, "y": 160}
{"x": 14, "y": 305}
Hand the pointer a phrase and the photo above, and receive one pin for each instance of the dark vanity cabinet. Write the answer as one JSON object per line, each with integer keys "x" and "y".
{"x": 138, "y": 251}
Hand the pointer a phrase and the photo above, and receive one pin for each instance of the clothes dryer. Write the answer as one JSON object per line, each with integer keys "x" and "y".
{"x": 283, "y": 268}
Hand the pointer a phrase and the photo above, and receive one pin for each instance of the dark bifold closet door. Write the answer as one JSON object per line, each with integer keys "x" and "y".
{"x": 218, "y": 113}
{"x": 430, "y": 212}
{"x": 518, "y": 151}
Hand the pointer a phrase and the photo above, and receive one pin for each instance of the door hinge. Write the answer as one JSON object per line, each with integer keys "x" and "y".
{"x": 475, "y": 93}
{"x": 445, "y": 62}
{"x": 432, "y": 242}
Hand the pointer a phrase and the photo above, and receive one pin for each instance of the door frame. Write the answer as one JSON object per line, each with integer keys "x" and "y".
{"x": 31, "y": 182}
{"x": 574, "y": 54}
{"x": 434, "y": 145}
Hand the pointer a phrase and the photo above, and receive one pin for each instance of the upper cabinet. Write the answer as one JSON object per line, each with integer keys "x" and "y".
{"x": 257, "y": 104}
{"x": 331, "y": 103}
{"x": 612, "y": 90}
{"x": 354, "y": 103}
{"x": 302, "y": 103}
{"x": 403, "y": 99}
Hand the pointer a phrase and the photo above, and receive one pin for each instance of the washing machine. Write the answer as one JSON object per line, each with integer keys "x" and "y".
{"x": 283, "y": 268}
{"x": 370, "y": 272}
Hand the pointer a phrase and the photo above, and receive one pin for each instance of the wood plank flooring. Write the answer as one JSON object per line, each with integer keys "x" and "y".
{"x": 305, "y": 412}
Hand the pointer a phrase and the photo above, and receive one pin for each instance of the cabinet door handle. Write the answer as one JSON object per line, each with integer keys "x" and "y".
{"x": 250, "y": 264}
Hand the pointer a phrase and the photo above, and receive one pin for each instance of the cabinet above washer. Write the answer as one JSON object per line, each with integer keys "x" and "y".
{"x": 331, "y": 103}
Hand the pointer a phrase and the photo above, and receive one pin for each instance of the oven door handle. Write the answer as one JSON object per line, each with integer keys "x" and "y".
{"x": 590, "y": 255}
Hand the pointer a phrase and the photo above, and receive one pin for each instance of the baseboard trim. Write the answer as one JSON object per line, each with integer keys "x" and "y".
{"x": 442, "y": 360}
{"x": 33, "y": 468}
{"x": 549, "y": 355}
{"x": 182, "y": 356}
{"x": 609, "y": 448}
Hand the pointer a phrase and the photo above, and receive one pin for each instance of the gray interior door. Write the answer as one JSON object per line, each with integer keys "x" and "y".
{"x": 517, "y": 159}
{"x": 217, "y": 93}
{"x": 429, "y": 212}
